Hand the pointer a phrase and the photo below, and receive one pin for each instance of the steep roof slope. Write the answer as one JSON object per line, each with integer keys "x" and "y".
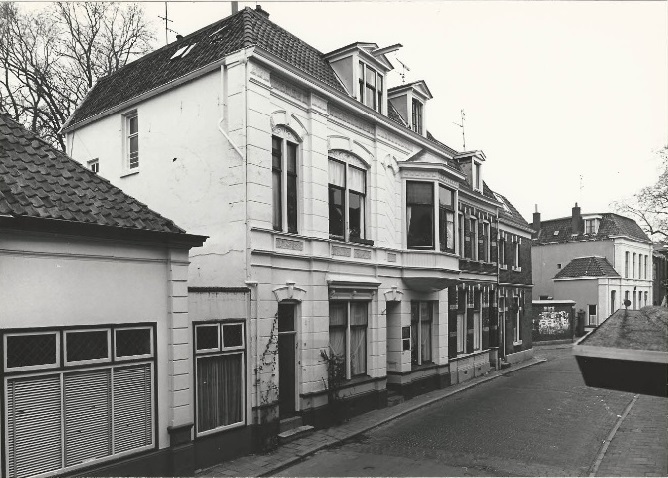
{"x": 593, "y": 266}
{"x": 38, "y": 181}
{"x": 508, "y": 213}
{"x": 560, "y": 230}
{"x": 244, "y": 29}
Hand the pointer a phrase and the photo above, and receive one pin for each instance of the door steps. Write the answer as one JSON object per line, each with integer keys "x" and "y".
{"x": 294, "y": 433}
{"x": 290, "y": 423}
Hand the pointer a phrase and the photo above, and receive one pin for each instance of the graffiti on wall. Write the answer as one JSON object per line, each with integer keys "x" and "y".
{"x": 552, "y": 324}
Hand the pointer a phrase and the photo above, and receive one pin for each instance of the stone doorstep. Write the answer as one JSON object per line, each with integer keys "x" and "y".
{"x": 294, "y": 433}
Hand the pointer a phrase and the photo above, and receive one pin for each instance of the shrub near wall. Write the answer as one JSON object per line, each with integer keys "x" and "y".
{"x": 552, "y": 321}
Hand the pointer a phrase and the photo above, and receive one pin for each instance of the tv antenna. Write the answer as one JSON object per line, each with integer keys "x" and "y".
{"x": 403, "y": 72}
{"x": 167, "y": 29}
{"x": 463, "y": 115}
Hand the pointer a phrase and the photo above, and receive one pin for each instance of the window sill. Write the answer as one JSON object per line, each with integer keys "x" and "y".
{"x": 359, "y": 240}
{"x": 517, "y": 343}
{"x": 517, "y": 269}
{"x": 130, "y": 172}
{"x": 503, "y": 268}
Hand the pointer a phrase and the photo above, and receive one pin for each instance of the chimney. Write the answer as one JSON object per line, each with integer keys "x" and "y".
{"x": 235, "y": 7}
{"x": 258, "y": 9}
{"x": 576, "y": 221}
{"x": 536, "y": 221}
{"x": 179, "y": 37}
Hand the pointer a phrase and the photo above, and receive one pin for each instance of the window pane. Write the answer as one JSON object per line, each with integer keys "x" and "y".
{"x": 355, "y": 218}
{"x": 357, "y": 179}
{"x": 276, "y": 152}
{"x": 371, "y": 76}
{"x": 233, "y": 335}
{"x": 30, "y": 350}
{"x": 359, "y": 313}
{"x": 337, "y": 173}
{"x": 134, "y": 124}
{"x": 292, "y": 157}
{"x": 277, "y": 208}
{"x": 219, "y": 391}
{"x": 134, "y": 145}
{"x": 286, "y": 317}
{"x": 357, "y": 350}
{"x": 370, "y": 99}
{"x": 337, "y": 313}
{"x": 133, "y": 342}
{"x": 336, "y": 211}
{"x": 207, "y": 337}
{"x": 292, "y": 202}
{"x": 87, "y": 345}
{"x": 419, "y": 193}
{"x": 445, "y": 197}
{"x": 425, "y": 340}
{"x": 420, "y": 226}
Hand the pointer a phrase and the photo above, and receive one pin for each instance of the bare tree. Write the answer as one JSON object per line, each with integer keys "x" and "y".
{"x": 50, "y": 59}
{"x": 650, "y": 205}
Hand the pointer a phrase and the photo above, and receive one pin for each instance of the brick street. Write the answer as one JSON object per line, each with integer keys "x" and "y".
{"x": 539, "y": 421}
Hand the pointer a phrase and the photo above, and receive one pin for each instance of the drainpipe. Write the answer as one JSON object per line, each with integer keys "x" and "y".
{"x": 499, "y": 332}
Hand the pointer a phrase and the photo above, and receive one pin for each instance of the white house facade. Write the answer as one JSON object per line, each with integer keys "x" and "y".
{"x": 326, "y": 202}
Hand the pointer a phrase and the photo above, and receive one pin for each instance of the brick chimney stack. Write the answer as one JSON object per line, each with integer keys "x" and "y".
{"x": 536, "y": 221}
{"x": 576, "y": 221}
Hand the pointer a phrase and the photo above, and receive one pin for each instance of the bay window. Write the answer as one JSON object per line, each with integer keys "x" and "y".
{"x": 422, "y": 314}
{"x": 347, "y": 182}
{"x": 446, "y": 219}
{"x": 284, "y": 184}
{"x": 74, "y": 397}
{"x": 219, "y": 367}
{"x": 348, "y": 323}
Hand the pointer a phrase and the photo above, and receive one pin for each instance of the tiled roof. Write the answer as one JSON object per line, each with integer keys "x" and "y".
{"x": 395, "y": 116}
{"x": 560, "y": 231}
{"x": 512, "y": 216}
{"x": 644, "y": 329}
{"x": 245, "y": 29}
{"x": 587, "y": 267}
{"x": 38, "y": 181}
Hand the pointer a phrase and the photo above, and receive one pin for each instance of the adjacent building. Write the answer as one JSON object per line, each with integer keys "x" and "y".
{"x": 660, "y": 273}
{"x": 94, "y": 315}
{"x": 345, "y": 227}
{"x": 597, "y": 260}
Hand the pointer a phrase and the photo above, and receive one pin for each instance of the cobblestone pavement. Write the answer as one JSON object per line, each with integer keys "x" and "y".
{"x": 538, "y": 421}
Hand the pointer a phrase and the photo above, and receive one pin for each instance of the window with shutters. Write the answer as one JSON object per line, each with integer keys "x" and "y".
{"x": 94, "y": 404}
{"x": 220, "y": 353}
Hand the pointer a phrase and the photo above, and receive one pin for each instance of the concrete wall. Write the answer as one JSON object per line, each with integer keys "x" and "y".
{"x": 583, "y": 291}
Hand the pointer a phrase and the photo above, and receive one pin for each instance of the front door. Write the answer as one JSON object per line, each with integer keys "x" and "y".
{"x": 286, "y": 360}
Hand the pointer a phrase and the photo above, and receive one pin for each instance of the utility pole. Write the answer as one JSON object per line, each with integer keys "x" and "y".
{"x": 463, "y": 115}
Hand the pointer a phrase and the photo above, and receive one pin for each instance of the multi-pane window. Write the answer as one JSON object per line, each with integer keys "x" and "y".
{"x": 347, "y": 182}
{"x": 502, "y": 250}
{"x": 284, "y": 184}
{"x": 132, "y": 137}
{"x": 633, "y": 266}
{"x": 422, "y": 316}
{"x": 473, "y": 231}
{"x": 446, "y": 219}
{"x": 220, "y": 378}
{"x": 591, "y": 226}
{"x": 417, "y": 116}
{"x": 462, "y": 249}
{"x": 420, "y": 215}
{"x": 478, "y": 178}
{"x": 517, "y": 325}
{"x": 486, "y": 243}
{"x": 370, "y": 87}
{"x": 94, "y": 165}
{"x": 88, "y": 392}
{"x": 348, "y": 323}
{"x": 626, "y": 264}
{"x": 593, "y": 316}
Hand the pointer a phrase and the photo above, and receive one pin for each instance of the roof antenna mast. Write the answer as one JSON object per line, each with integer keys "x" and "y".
{"x": 166, "y": 19}
{"x": 462, "y": 127}
{"x": 403, "y": 71}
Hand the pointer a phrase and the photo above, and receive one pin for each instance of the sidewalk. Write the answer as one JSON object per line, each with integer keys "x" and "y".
{"x": 285, "y": 455}
{"x": 640, "y": 445}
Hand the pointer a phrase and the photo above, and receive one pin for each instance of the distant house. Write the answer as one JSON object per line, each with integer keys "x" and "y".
{"x": 94, "y": 307}
{"x": 660, "y": 273}
{"x": 597, "y": 260}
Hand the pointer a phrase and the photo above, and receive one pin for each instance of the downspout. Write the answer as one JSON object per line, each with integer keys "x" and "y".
{"x": 499, "y": 333}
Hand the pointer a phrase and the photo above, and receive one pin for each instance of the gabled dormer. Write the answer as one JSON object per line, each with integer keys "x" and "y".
{"x": 362, "y": 69}
{"x": 410, "y": 101}
{"x": 471, "y": 164}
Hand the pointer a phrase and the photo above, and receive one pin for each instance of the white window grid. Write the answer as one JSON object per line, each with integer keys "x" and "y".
{"x": 54, "y": 365}
{"x": 133, "y": 357}
{"x": 91, "y": 361}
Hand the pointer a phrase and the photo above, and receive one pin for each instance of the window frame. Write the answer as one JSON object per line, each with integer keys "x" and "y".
{"x": 517, "y": 320}
{"x": 94, "y": 165}
{"x": 125, "y": 358}
{"x": 442, "y": 242}
{"x": 221, "y": 350}
{"x": 284, "y": 222}
{"x": 30, "y": 368}
{"x": 128, "y": 136}
{"x": 432, "y": 308}
{"x": 107, "y": 359}
{"x": 364, "y": 86}
{"x": 627, "y": 257}
{"x": 348, "y": 329}
{"x": 346, "y": 192}
{"x": 417, "y": 115}
{"x": 591, "y": 322}
{"x": 432, "y": 210}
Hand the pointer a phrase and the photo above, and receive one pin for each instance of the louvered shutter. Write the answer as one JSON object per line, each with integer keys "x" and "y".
{"x": 452, "y": 322}
{"x": 133, "y": 408}
{"x": 87, "y": 415}
{"x": 33, "y": 425}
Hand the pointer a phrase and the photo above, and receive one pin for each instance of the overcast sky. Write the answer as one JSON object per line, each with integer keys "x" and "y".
{"x": 568, "y": 100}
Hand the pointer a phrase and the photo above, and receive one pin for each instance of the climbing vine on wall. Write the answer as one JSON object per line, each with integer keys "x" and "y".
{"x": 268, "y": 363}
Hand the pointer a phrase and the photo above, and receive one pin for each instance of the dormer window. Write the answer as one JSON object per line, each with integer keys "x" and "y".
{"x": 591, "y": 226}
{"x": 370, "y": 87}
{"x": 417, "y": 116}
{"x": 478, "y": 180}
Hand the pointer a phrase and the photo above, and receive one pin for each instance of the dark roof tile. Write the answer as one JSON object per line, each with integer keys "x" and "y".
{"x": 593, "y": 266}
{"x": 560, "y": 230}
{"x": 39, "y": 181}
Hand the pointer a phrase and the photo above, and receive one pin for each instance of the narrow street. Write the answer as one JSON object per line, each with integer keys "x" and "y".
{"x": 539, "y": 421}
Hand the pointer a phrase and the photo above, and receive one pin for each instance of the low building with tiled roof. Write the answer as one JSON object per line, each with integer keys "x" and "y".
{"x": 94, "y": 290}
{"x": 321, "y": 189}
{"x": 597, "y": 259}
